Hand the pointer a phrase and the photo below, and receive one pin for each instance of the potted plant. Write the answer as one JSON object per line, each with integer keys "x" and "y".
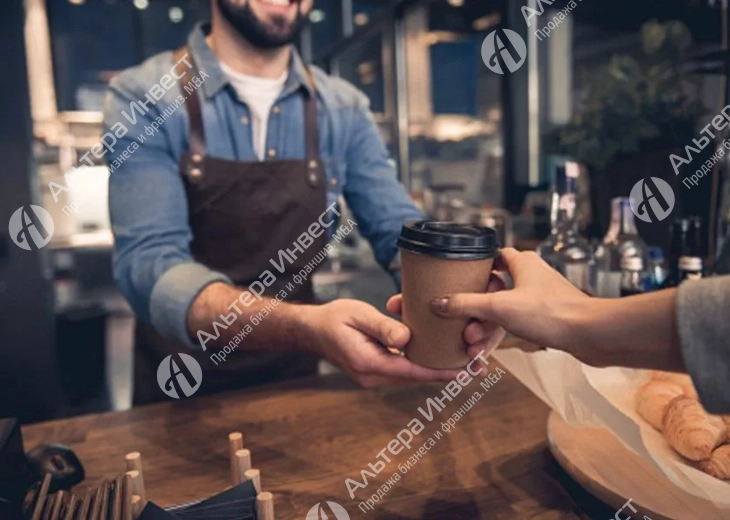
{"x": 634, "y": 112}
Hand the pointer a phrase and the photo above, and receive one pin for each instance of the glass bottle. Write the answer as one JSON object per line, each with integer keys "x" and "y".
{"x": 691, "y": 263}
{"x": 695, "y": 239}
{"x": 680, "y": 234}
{"x": 690, "y": 268}
{"x": 546, "y": 248}
{"x": 721, "y": 265}
{"x": 632, "y": 276}
{"x": 722, "y": 262}
{"x": 655, "y": 270}
{"x": 565, "y": 249}
{"x": 622, "y": 240}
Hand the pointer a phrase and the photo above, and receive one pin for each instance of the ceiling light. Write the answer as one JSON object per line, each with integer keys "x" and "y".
{"x": 316, "y": 16}
{"x": 176, "y": 14}
{"x": 76, "y": 2}
{"x": 361, "y": 19}
{"x": 141, "y": 4}
{"x": 456, "y": 3}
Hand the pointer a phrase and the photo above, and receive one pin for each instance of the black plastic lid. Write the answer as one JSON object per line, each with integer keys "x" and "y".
{"x": 449, "y": 240}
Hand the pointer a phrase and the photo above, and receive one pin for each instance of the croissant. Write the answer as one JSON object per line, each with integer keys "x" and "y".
{"x": 726, "y": 418}
{"x": 718, "y": 465}
{"x": 682, "y": 380}
{"x": 652, "y": 400}
{"x": 690, "y": 430}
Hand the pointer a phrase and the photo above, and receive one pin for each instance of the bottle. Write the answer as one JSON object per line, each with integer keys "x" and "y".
{"x": 622, "y": 240}
{"x": 632, "y": 276}
{"x": 691, "y": 263}
{"x": 565, "y": 249}
{"x": 690, "y": 268}
{"x": 546, "y": 248}
{"x": 695, "y": 244}
{"x": 722, "y": 261}
{"x": 721, "y": 264}
{"x": 656, "y": 273}
{"x": 678, "y": 245}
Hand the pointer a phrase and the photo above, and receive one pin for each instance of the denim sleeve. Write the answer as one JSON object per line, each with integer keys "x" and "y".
{"x": 704, "y": 335}
{"x": 378, "y": 201}
{"x": 153, "y": 266}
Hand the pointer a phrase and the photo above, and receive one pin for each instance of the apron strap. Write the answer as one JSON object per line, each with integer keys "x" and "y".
{"x": 196, "y": 143}
{"x": 311, "y": 132}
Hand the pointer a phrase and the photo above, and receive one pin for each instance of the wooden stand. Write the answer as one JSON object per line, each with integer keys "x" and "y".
{"x": 235, "y": 443}
{"x": 265, "y": 506}
{"x": 243, "y": 464}
{"x": 134, "y": 465}
{"x": 124, "y": 498}
{"x": 255, "y": 476}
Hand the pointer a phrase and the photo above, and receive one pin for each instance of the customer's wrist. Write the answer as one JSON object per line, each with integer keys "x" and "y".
{"x": 584, "y": 324}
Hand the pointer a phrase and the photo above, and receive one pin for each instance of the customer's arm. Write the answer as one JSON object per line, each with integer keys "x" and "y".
{"x": 683, "y": 329}
{"x": 703, "y": 319}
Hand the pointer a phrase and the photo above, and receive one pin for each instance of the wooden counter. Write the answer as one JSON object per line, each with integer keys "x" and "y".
{"x": 308, "y": 436}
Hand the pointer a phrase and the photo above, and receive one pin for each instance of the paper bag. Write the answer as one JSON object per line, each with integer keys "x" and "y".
{"x": 604, "y": 397}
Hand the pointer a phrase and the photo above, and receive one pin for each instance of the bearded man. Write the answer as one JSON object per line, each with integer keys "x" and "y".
{"x": 230, "y": 159}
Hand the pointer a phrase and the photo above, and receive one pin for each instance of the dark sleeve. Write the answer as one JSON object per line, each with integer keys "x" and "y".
{"x": 703, "y": 321}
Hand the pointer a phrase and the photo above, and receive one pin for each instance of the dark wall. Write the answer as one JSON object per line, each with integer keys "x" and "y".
{"x": 94, "y": 40}
{"x": 28, "y": 381}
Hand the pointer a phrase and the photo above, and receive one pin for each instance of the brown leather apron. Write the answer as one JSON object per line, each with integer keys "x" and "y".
{"x": 241, "y": 214}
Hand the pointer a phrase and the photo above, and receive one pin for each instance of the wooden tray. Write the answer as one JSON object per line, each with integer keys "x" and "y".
{"x": 612, "y": 473}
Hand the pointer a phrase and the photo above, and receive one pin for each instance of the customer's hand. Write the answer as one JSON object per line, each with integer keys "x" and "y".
{"x": 480, "y": 336}
{"x": 542, "y": 308}
{"x": 364, "y": 344}
{"x": 547, "y": 310}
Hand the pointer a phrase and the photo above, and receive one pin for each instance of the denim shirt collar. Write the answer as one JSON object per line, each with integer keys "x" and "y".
{"x": 206, "y": 61}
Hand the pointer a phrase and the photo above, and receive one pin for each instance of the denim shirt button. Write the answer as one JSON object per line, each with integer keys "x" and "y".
{"x": 313, "y": 180}
{"x": 333, "y": 181}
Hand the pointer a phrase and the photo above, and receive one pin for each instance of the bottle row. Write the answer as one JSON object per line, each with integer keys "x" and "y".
{"x": 622, "y": 264}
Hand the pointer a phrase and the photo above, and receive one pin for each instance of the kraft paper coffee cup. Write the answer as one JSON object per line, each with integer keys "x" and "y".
{"x": 439, "y": 259}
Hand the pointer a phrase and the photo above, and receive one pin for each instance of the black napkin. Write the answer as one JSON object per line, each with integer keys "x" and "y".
{"x": 236, "y": 503}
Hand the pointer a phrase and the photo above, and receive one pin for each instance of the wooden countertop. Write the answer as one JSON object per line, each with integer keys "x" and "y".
{"x": 308, "y": 436}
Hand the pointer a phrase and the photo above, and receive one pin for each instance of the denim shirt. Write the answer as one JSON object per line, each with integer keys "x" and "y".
{"x": 153, "y": 265}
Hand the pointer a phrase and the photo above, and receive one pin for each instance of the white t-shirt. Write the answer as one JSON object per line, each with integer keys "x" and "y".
{"x": 259, "y": 94}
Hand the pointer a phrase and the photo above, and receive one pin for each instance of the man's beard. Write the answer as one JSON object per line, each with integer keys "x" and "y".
{"x": 258, "y": 33}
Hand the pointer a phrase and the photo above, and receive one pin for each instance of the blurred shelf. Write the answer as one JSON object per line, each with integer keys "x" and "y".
{"x": 95, "y": 240}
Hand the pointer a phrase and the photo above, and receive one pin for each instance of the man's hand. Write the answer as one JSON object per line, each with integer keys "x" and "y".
{"x": 363, "y": 343}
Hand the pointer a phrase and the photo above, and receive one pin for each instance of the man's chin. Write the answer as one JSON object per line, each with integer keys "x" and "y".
{"x": 263, "y": 29}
